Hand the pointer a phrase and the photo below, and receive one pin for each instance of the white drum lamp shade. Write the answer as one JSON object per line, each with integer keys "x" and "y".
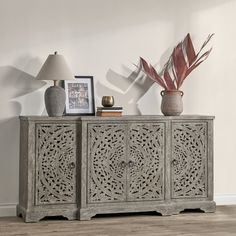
{"x": 55, "y": 68}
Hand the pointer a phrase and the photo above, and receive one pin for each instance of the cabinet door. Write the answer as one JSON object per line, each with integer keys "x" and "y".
{"x": 106, "y": 163}
{"x": 189, "y": 160}
{"x": 145, "y": 164}
{"x": 55, "y": 160}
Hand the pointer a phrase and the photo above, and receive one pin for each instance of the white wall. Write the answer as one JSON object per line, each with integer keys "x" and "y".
{"x": 103, "y": 38}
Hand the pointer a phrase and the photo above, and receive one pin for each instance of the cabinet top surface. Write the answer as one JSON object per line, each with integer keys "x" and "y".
{"x": 125, "y": 117}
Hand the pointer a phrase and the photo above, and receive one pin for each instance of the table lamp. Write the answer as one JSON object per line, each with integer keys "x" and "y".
{"x": 55, "y": 68}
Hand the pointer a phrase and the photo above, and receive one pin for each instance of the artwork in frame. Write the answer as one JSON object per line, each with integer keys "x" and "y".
{"x": 79, "y": 96}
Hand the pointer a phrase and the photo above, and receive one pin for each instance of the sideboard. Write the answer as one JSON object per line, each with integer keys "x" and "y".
{"x": 78, "y": 167}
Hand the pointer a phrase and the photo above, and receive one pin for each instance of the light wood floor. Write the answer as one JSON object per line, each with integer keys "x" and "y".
{"x": 221, "y": 223}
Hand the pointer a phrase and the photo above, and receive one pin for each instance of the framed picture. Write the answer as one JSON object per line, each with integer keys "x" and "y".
{"x": 79, "y": 96}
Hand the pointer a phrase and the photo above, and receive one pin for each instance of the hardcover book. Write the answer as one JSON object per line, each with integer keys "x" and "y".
{"x": 109, "y": 108}
{"x": 109, "y": 114}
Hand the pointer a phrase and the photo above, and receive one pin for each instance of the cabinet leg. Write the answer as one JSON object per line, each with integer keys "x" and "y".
{"x": 209, "y": 208}
{"x": 85, "y": 214}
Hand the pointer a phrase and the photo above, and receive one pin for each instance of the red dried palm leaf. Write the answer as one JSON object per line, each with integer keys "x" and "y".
{"x": 146, "y": 67}
{"x": 179, "y": 63}
{"x": 201, "y": 59}
{"x": 205, "y": 43}
{"x": 151, "y": 73}
{"x": 158, "y": 78}
{"x": 168, "y": 80}
{"x": 192, "y": 60}
{"x": 189, "y": 49}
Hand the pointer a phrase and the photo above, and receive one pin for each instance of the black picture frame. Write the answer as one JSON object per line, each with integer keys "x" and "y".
{"x": 79, "y": 96}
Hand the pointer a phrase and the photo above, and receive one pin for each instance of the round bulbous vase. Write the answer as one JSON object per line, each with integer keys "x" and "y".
{"x": 172, "y": 104}
{"x": 108, "y": 101}
{"x": 55, "y": 98}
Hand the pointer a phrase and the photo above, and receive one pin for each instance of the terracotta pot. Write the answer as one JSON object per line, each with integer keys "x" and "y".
{"x": 172, "y": 104}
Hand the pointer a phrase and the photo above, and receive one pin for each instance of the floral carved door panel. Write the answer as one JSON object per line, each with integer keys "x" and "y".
{"x": 146, "y": 161}
{"x": 55, "y": 163}
{"x": 189, "y": 160}
{"x": 106, "y": 163}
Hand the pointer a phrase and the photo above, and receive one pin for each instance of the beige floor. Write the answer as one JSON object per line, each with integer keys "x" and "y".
{"x": 221, "y": 223}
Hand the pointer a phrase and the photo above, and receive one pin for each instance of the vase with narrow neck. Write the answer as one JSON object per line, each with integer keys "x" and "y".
{"x": 171, "y": 104}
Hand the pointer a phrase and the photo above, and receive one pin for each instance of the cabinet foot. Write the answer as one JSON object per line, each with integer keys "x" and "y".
{"x": 209, "y": 208}
{"x": 85, "y": 214}
{"x": 165, "y": 211}
{"x": 35, "y": 215}
{"x": 177, "y": 208}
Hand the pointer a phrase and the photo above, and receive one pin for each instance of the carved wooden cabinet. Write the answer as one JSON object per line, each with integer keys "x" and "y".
{"x": 82, "y": 166}
{"x": 48, "y": 176}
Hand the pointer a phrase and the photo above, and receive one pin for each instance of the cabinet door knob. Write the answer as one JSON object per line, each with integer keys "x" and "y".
{"x": 131, "y": 164}
{"x": 174, "y": 162}
{"x": 123, "y": 164}
{"x": 72, "y": 165}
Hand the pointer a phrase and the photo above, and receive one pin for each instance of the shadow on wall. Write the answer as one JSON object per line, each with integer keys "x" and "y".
{"x": 133, "y": 92}
{"x": 14, "y": 85}
{"x": 9, "y": 168}
{"x": 131, "y": 89}
{"x": 17, "y": 85}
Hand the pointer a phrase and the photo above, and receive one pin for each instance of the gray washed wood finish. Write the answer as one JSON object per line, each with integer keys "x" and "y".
{"x": 82, "y": 166}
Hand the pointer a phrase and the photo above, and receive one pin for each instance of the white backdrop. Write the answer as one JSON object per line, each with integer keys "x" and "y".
{"x": 104, "y": 38}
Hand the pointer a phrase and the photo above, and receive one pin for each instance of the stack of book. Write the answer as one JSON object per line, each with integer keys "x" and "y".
{"x": 109, "y": 111}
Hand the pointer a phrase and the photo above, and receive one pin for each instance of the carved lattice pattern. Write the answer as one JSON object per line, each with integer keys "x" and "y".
{"x": 189, "y": 160}
{"x": 146, "y": 160}
{"x": 106, "y": 155}
{"x": 55, "y": 163}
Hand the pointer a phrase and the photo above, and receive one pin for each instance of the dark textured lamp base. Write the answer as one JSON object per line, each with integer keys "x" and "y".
{"x": 55, "y": 98}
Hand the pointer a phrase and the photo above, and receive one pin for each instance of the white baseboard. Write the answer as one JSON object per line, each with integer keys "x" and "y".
{"x": 225, "y": 199}
{"x": 8, "y": 209}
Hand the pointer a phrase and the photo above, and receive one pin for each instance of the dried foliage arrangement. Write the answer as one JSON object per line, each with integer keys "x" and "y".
{"x": 180, "y": 64}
